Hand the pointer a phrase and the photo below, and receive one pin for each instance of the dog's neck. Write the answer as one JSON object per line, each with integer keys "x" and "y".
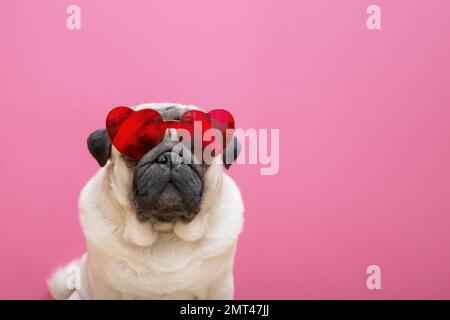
{"x": 145, "y": 233}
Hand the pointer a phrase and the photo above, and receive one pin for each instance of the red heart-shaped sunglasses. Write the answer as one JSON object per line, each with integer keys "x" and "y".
{"x": 134, "y": 133}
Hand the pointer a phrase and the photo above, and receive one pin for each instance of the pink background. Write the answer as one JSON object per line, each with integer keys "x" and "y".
{"x": 364, "y": 118}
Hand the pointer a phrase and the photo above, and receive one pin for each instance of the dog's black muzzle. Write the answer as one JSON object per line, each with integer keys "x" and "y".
{"x": 166, "y": 188}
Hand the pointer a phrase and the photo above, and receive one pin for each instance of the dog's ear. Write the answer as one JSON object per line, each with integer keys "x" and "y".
{"x": 99, "y": 146}
{"x": 231, "y": 152}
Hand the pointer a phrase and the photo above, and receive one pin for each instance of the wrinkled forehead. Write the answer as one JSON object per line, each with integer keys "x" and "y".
{"x": 169, "y": 111}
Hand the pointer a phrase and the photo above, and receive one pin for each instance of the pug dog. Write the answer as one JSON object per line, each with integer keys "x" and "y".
{"x": 157, "y": 228}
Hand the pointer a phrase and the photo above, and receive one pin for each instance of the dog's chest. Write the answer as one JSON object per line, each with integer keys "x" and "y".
{"x": 168, "y": 270}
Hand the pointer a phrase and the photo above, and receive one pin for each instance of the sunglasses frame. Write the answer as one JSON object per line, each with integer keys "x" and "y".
{"x": 134, "y": 133}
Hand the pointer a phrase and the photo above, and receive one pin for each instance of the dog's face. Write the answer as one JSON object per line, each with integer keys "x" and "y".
{"x": 162, "y": 185}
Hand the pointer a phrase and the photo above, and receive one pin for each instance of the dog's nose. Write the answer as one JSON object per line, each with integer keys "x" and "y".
{"x": 164, "y": 158}
{"x": 169, "y": 159}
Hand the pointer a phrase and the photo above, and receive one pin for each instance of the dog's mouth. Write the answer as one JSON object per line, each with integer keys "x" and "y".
{"x": 170, "y": 204}
{"x": 167, "y": 194}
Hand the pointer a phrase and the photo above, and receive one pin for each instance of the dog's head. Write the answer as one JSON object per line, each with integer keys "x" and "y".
{"x": 162, "y": 185}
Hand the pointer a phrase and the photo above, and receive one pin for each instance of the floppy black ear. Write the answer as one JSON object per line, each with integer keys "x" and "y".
{"x": 231, "y": 152}
{"x": 99, "y": 146}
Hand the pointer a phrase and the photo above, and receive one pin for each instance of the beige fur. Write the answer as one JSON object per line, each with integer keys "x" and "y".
{"x": 127, "y": 259}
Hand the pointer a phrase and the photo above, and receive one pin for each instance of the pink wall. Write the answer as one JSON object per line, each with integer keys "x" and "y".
{"x": 364, "y": 119}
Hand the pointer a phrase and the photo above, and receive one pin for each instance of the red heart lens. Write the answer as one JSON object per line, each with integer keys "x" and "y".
{"x": 222, "y": 120}
{"x": 134, "y": 133}
{"x": 188, "y": 121}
